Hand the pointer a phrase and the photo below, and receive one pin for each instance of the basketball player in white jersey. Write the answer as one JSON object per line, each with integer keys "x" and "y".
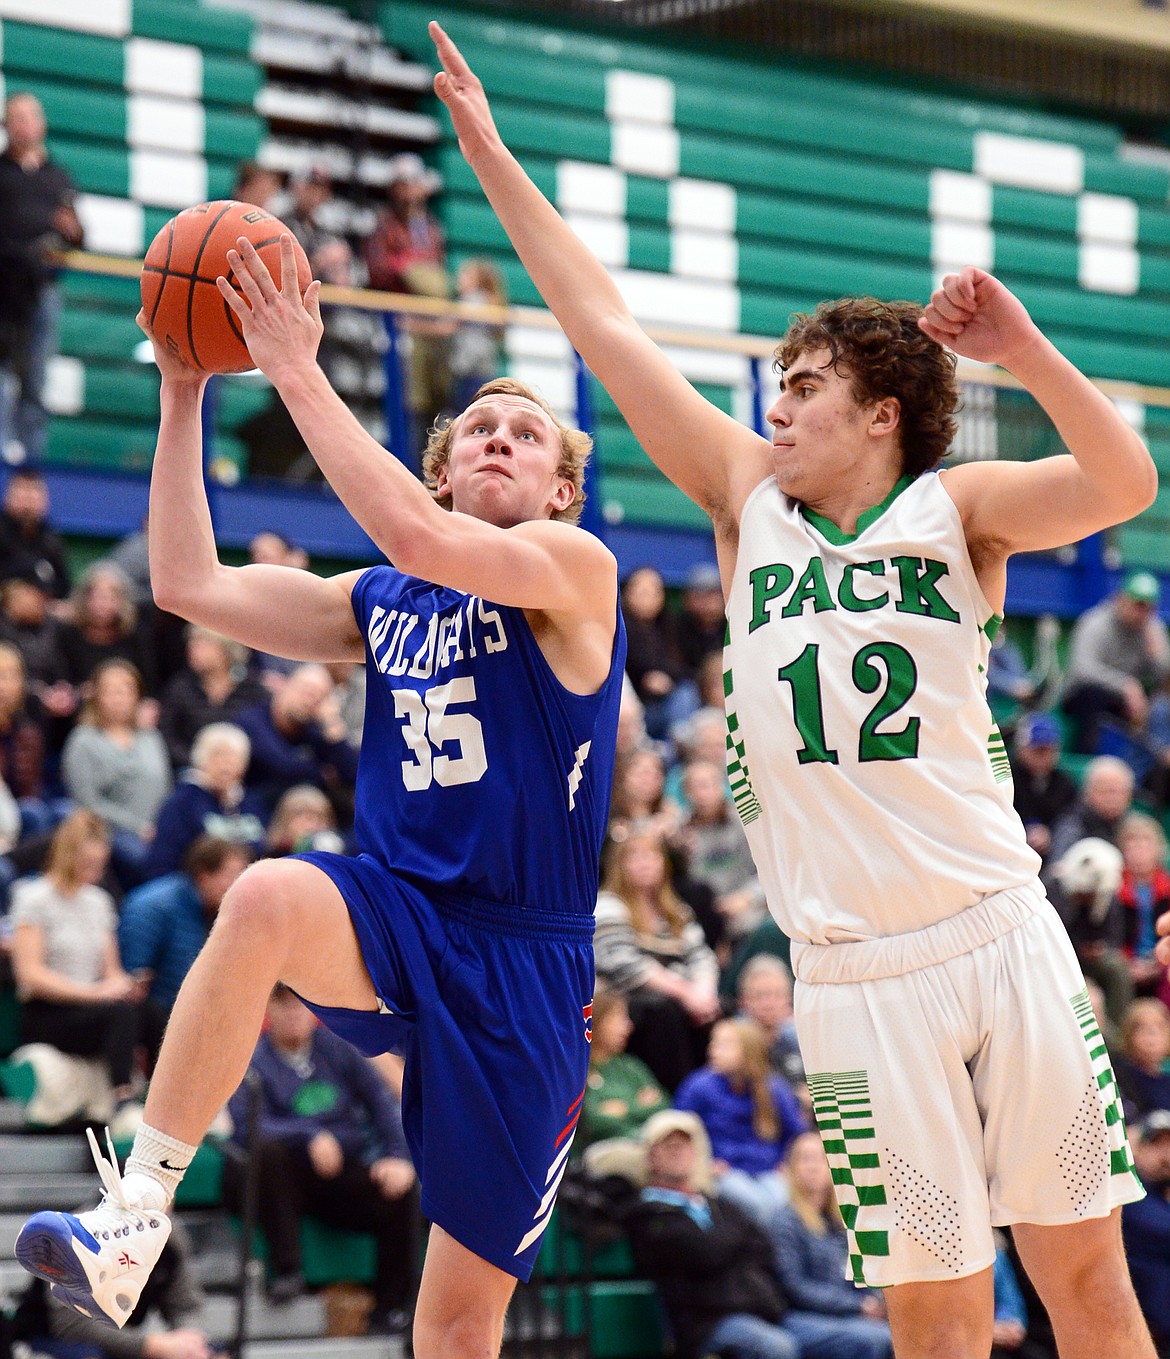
{"x": 958, "y": 1075}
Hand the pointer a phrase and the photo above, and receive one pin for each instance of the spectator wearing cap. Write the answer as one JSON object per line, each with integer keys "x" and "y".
{"x": 1043, "y": 792}
{"x": 29, "y": 545}
{"x": 406, "y": 253}
{"x": 1145, "y": 1225}
{"x": 1118, "y": 654}
{"x": 701, "y": 621}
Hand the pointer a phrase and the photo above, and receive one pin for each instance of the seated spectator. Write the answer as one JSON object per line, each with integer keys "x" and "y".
{"x": 269, "y": 548}
{"x": 105, "y": 627}
{"x": 1084, "y": 886}
{"x": 1144, "y": 896}
{"x": 712, "y": 1265}
{"x": 1118, "y": 653}
{"x": 1010, "y": 687}
{"x": 750, "y": 1113}
{"x": 164, "y": 923}
{"x": 132, "y": 554}
{"x": 717, "y": 851}
{"x": 1043, "y": 793}
{"x": 303, "y": 821}
{"x": 764, "y": 994}
{"x": 811, "y": 1257}
{"x": 701, "y": 621}
{"x": 298, "y": 736}
{"x": 75, "y": 995}
{"x": 28, "y": 543}
{"x": 620, "y": 1091}
{"x": 1145, "y": 1225}
{"x": 639, "y": 782}
{"x": 652, "y": 661}
{"x": 1140, "y": 1065}
{"x": 27, "y": 623}
{"x": 1106, "y": 799}
{"x": 330, "y": 1146}
{"x": 117, "y": 768}
{"x": 631, "y": 723}
{"x": 650, "y": 948}
{"x": 22, "y": 742}
{"x": 163, "y": 1325}
{"x": 209, "y": 799}
{"x": 703, "y": 736}
{"x": 349, "y": 688}
{"x": 212, "y": 687}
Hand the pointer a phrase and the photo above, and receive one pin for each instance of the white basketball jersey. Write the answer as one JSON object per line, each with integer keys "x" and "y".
{"x": 871, "y": 779}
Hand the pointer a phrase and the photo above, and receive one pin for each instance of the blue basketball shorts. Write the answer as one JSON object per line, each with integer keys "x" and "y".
{"x": 491, "y": 1007}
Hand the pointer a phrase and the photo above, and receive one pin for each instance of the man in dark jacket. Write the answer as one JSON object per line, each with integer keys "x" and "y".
{"x": 711, "y": 1264}
{"x": 1145, "y": 1225}
{"x": 1043, "y": 791}
{"x": 331, "y": 1145}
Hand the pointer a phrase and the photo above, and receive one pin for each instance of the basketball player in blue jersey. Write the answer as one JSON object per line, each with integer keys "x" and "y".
{"x": 955, "y": 1067}
{"x": 461, "y": 935}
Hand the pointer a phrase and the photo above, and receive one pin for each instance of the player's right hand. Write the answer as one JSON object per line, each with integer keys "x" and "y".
{"x": 461, "y": 90}
{"x": 170, "y": 365}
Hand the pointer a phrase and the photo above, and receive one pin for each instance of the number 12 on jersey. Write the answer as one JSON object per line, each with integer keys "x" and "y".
{"x": 881, "y": 668}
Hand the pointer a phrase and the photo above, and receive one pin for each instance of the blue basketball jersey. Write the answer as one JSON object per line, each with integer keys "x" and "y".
{"x": 480, "y": 774}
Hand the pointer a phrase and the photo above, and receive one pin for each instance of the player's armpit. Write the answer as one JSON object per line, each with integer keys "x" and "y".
{"x": 278, "y": 609}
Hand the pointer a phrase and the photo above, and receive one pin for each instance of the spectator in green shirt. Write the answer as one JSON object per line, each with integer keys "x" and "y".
{"x": 621, "y": 1092}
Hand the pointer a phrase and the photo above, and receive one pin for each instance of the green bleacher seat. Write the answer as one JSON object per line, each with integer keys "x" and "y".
{"x": 203, "y": 26}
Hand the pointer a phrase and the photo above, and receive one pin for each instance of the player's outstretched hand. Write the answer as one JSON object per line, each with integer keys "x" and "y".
{"x": 460, "y": 89}
{"x": 170, "y": 365}
{"x": 976, "y": 316}
{"x": 281, "y": 329}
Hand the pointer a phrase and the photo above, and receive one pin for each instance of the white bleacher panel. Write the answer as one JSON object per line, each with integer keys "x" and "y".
{"x": 977, "y": 435}
{"x": 644, "y": 149}
{"x": 296, "y": 14}
{"x": 1132, "y": 412}
{"x": 1108, "y": 268}
{"x": 664, "y": 299}
{"x": 1029, "y": 163}
{"x": 377, "y": 66}
{"x": 170, "y": 68}
{"x": 556, "y": 382}
{"x": 586, "y": 187}
{"x": 955, "y": 244}
{"x": 959, "y": 197}
{"x": 111, "y": 17}
{"x": 704, "y": 254}
{"x": 65, "y": 385}
{"x": 113, "y": 226}
{"x": 165, "y": 124}
{"x": 607, "y": 237}
{"x": 631, "y": 96}
{"x": 741, "y": 404}
{"x": 166, "y": 179}
{"x": 704, "y": 204}
{"x": 708, "y": 365}
{"x": 1107, "y": 217}
{"x": 534, "y": 342}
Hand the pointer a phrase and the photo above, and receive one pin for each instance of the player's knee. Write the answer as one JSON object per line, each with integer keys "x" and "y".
{"x": 461, "y": 1335}
{"x": 258, "y": 904}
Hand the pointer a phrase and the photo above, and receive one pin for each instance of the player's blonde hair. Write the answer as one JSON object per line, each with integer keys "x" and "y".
{"x": 576, "y": 446}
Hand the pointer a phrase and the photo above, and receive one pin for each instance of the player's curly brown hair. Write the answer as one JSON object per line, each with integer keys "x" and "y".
{"x": 576, "y": 446}
{"x": 880, "y": 349}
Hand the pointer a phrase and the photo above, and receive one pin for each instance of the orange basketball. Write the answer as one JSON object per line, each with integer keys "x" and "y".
{"x": 182, "y": 303}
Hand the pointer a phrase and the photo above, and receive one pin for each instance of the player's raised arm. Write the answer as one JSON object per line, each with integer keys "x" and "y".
{"x": 711, "y": 457}
{"x": 1021, "y": 507}
{"x": 492, "y": 551}
{"x": 273, "y": 608}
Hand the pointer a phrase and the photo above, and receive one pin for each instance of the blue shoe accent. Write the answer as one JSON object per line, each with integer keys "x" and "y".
{"x": 45, "y": 1248}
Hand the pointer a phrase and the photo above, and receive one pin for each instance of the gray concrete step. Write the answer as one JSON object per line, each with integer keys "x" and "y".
{"x": 41, "y": 1190}
{"x": 44, "y": 1153}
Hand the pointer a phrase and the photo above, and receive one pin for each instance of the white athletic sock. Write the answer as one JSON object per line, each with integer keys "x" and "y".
{"x": 156, "y": 1163}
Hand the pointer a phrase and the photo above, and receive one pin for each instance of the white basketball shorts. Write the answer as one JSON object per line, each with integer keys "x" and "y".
{"x": 959, "y": 1081}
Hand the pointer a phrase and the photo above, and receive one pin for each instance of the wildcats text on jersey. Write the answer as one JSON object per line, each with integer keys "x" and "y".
{"x": 910, "y": 584}
{"x": 400, "y": 647}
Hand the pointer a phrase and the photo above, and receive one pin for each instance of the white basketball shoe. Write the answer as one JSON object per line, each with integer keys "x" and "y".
{"x": 96, "y": 1262}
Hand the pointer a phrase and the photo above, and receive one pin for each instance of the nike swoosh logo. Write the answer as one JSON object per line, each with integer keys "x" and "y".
{"x": 166, "y": 1165}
